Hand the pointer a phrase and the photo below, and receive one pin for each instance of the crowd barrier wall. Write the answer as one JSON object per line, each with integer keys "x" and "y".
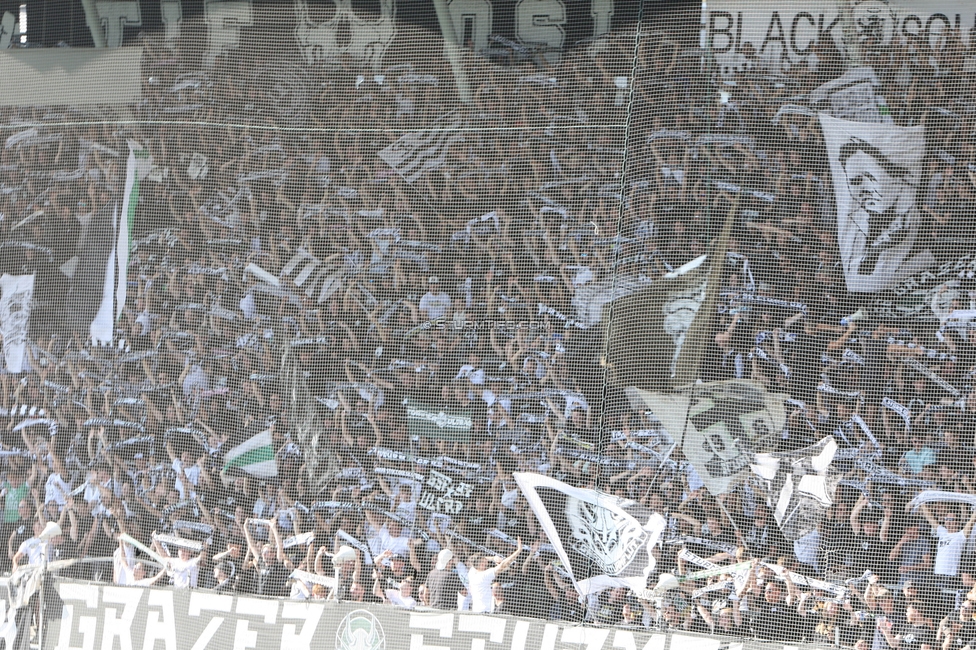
{"x": 107, "y": 617}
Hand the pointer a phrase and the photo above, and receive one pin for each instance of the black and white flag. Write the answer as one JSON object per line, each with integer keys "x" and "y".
{"x": 314, "y": 275}
{"x": 719, "y": 426}
{"x": 876, "y": 169}
{"x": 603, "y": 540}
{"x": 417, "y": 153}
{"x": 801, "y": 485}
{"x": 16, "y": 292}
{"x": 648, "y": 354}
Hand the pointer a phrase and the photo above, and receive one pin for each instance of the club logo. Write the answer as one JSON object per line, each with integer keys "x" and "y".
{"x": 360, "y": 630}
{"x": 875, "y": 20}
{"x": 603, "y": 536}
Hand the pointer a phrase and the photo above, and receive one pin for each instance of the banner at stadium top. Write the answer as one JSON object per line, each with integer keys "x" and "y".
{"x": 322, "y": 31}
{"x": 782, "y": 34}
{"x": 101, "y": 616}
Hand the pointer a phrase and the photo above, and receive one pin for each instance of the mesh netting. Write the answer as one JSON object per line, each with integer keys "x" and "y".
{"x": 597, "y": 311}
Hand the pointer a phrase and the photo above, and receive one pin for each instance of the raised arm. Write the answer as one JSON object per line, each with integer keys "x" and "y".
{"x": 504, "y": 564}
{"x": 280, "y": 546}
{"x": 969, "y": 524}
{"x": 252, "y": 549}
{"x": 855, "y": 513}
{"x": 929, "y": 517}
{"x": 318, "y": 568}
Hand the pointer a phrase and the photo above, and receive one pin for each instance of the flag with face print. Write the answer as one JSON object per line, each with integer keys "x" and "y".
{"x": 876, "y": 171}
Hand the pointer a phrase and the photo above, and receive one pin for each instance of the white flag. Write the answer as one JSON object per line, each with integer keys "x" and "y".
{"x": 16, "y": 292}
{"x": 113, "y": 298}
{"x": 801, "y": 485}
{"x": 602, "y": 540}
{"x": 876, "y": 171}
{"x": 719, "y": 425}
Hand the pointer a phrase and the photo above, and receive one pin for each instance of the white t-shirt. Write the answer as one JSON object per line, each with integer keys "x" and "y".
{"x": 192, "y": 477}
{"x": 33, "y": 549}
{"x": 184, "y": 574}
{"x": 384, "y": 541}
{"x": 192, "y": 472}
{"x": 950, "y": 550}
{"x": 122, "y": 565}
{"x": 479, "y": 586}
{"x": 56, "y": 489}
{"x": 394, "y": 596}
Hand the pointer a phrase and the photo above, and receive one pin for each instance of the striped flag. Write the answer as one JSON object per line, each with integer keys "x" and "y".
{"x": 419, "y": 152}
{"x": 255, "y": 456}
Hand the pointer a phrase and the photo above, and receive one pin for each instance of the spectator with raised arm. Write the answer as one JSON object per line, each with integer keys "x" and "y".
{"x": 481, "y": 576}
{"x": 184, "y": 569}
{"x": 952, "y": 535}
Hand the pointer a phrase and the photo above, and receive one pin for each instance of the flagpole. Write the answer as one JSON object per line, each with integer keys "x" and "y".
{"x": 742, "y": 538}
{"x": 684, "y": 427}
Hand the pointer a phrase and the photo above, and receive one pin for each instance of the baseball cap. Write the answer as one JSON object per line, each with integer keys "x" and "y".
{"x": 443, "y": 558}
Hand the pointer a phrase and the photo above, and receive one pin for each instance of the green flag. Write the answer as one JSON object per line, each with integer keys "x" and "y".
{"x": 255, "y": 456}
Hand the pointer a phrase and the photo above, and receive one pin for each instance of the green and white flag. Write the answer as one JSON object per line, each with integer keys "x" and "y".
{"x": 116, "y": 265}
{"x": 255, "y": 456}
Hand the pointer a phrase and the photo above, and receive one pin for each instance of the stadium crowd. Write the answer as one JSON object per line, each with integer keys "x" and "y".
{"x": 477, "y": 289}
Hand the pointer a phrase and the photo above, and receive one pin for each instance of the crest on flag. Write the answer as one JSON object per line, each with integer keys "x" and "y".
{"x": 603, "y": 541}
{"x": 611, "y": 539}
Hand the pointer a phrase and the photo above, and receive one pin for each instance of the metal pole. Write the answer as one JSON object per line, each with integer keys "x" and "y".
{"x": 40, "y": 600}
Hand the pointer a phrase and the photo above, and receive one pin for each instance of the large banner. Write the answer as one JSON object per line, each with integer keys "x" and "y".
{"x": 774, "y": 36}
{"x": 876, "y": 169}
{"x": 325, "y": 31}
{"x": 101, "y": 616}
